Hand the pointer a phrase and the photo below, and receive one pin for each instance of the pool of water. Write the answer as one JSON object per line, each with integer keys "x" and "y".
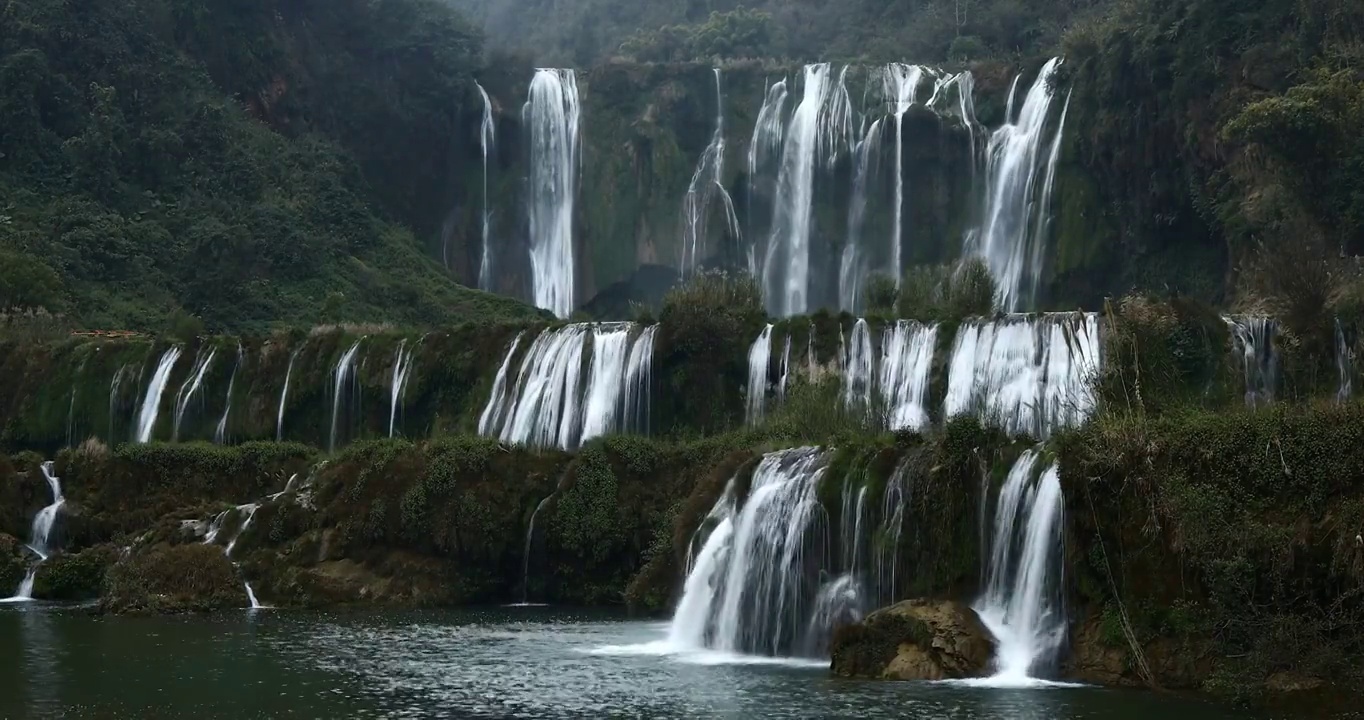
{"x": 527, "y": 662}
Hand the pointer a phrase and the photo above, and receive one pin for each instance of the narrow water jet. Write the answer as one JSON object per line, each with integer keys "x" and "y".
{"x": 707, "y": 182}
{"x": 345, "y": 367}
{"x": 190, "y": 388}
{"x": 525, "y": 555}
{"x": 487, "y": 141}
{"x": 151, "y": 402}
{"x": 284, "y": 397}
{"x": 1344, "y": 366}
{"x": 402, "y": 365}
{"x": 858, "y": 368}
{"x": 900, "y": 84}
{"x": 759, "y": 356}
{"x": 220, "y": 433}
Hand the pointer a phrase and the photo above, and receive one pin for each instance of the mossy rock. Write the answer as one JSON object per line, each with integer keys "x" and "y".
{"x": 174, "y": 579}
{"x": 74, "y": 576}
{"x": 13, "y": 563}
{"x": 914, "y": 640}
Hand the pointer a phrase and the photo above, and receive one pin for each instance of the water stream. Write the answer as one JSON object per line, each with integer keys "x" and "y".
{"x": 151, "y": 402}
{"x": 41, "y": 533}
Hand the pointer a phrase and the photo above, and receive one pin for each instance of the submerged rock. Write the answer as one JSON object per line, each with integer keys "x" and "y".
{"x": 914, "y": 640}
{"x": 173, "y": 579}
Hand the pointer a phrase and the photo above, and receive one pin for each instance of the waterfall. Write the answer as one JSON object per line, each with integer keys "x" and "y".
{"x": 116, "y": 391}
{"x": 283, "y": 397}
{"x": 490, "y": 420}
{"x": 606, "y": 379}
{"x": 639, "y": 375}
{"x": 706, "y": 182}
{"x": 895, "y": 498}
{"x": 754, "y": 587}
{"x": 552, "y": 115}
{"x": 1254, "y": 340}
{"x": 852, "y": 265}
{"x": 190, "y": 387}
{"x": 546, "y": 407}
{"x": 785, "y": 374}
{"x": 220, "y": 433}
{"x": 345, "y": 367}
{"x": 906, "y": 362}
{"x": 402, "y": 365}
{"x": 1030, "y": 374}
{"x": 1010, "y": 238}
{"x": 759, "y": 356}
{"x": 858, "y": 365}
{"x": 899, "y": 84}
{"x": 41, "y": 532}
{"x": 215, "y": 529}
{"x": 786, "y": 267}
{"x": 486, "y": 138}
{"x": 1344, "y": 366}
{"x": 525, "y": 556}
{"x": 767, "y": 138}
{"x": 1021, "y": 605}
{"x": 151, "y": 402}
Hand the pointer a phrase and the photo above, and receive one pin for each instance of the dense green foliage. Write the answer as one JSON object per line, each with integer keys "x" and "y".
{"x": 246, "y": 164}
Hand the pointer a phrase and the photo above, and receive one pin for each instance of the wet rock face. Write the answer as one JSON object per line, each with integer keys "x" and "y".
{"x": 914, "y": 640}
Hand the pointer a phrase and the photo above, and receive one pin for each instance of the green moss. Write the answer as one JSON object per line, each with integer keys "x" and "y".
{"x": 173, "y": 579}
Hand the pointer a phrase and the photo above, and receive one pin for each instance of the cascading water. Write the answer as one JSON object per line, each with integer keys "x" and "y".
{"x": 552, "y": 115}
{"x": 785, "y": 375}
{"x": 547, "y": 408}
{"x": 900, "y": 83}
{"x": 1021, "y": 605}
{"x": 1344, "y": 366}
{"x": 220, "y": 433}
{"x": 116, "y": 391}
{"x": 639, "y": 374}
{"x": 752, "y": 589}
{"x": 601, "y": 410}
{"x": 284, "y": 397}
{"x": 852, "y": 265}
{"x": 894, "y": 500}
{"x": 190, "y": 387}
{"x": 786, "y": 266}
{"x": 1254, "y": 340}
{"x": 759, "y": 356}
{"x": 151, "y": 402}
{"x": 1029, "y": 374}
{"x": 345, "y": 367}
{"x": 706, "y": 183}
{"x": 1010, "y": 240}
{"x": 41, "y": 532}
{"x": 215, "y": 529}
{"x": 906, "y": 362}
{"x": 402, "y": 365}
{"x": 487, "y": 140}
{"x": 766, "y": 144}
{"x": 858, "y": 366}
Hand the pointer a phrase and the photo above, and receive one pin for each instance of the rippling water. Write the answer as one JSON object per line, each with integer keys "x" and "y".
{"x": 500, "y": 663}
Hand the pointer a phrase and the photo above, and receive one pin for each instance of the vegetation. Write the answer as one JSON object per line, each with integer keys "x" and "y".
{"x": 247, "y": 167}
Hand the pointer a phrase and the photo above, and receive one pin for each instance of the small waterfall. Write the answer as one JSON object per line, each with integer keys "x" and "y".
{"x": 706, "y": 182}
{"x": 900, "y": 84}
{"x": 906, "y": 362}
{"x": 785, "y": 374}
{"x": 1254, "y": 340}
{"x": 220, "y": 433}
{"x": 766, "y": 144}
{"x": 1030, "y": 374}
{"x": 250, "y": 510}
{"x": 151, "y": 402}
{"x": 343, "y": 372}
{"x": 1022, "y": 606}
{"x": 894, "y": 500}
{"x": 215, "y": 529}
{"x": 752, "y": 588}
{"x": 852, "y": 266}
{"x": 639, "y": 378}
{"x": 858, "y": 366}
{"x": 190, "y": 387}
{"x": 759, "y": 356}
{"x": 490, "y": 420}
{"x": 525, "y": 556}
{"x": 1344, "y": 366}
{"x": 547, "y": 408}
{"x": 552, "y": 115}
{"x": 283, "y": 397}
{"x": 402, "y": 365}
{"x": 1010, "y": 240}
{"x": 41, "y": 532}
{"x": 606, "y": 379}
{"x": 816, "y": 122}
{"x": 487, "y": 140}
{"x": 116, "y": 391}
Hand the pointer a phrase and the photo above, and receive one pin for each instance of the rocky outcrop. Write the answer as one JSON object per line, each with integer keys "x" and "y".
{"x": 914, "y": 640}
{"x": 173, "y": 578}
{"x": 74, "y": 576}
{"x": 13, "y": 563}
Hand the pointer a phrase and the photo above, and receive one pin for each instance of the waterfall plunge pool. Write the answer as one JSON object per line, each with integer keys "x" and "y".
{"x": 531, "y": 662}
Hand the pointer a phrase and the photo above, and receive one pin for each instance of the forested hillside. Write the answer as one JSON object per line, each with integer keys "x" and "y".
{"x": 243, "y": 163}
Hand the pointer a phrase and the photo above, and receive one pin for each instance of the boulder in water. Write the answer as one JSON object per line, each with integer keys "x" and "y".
{"x": 914, "y": 640}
